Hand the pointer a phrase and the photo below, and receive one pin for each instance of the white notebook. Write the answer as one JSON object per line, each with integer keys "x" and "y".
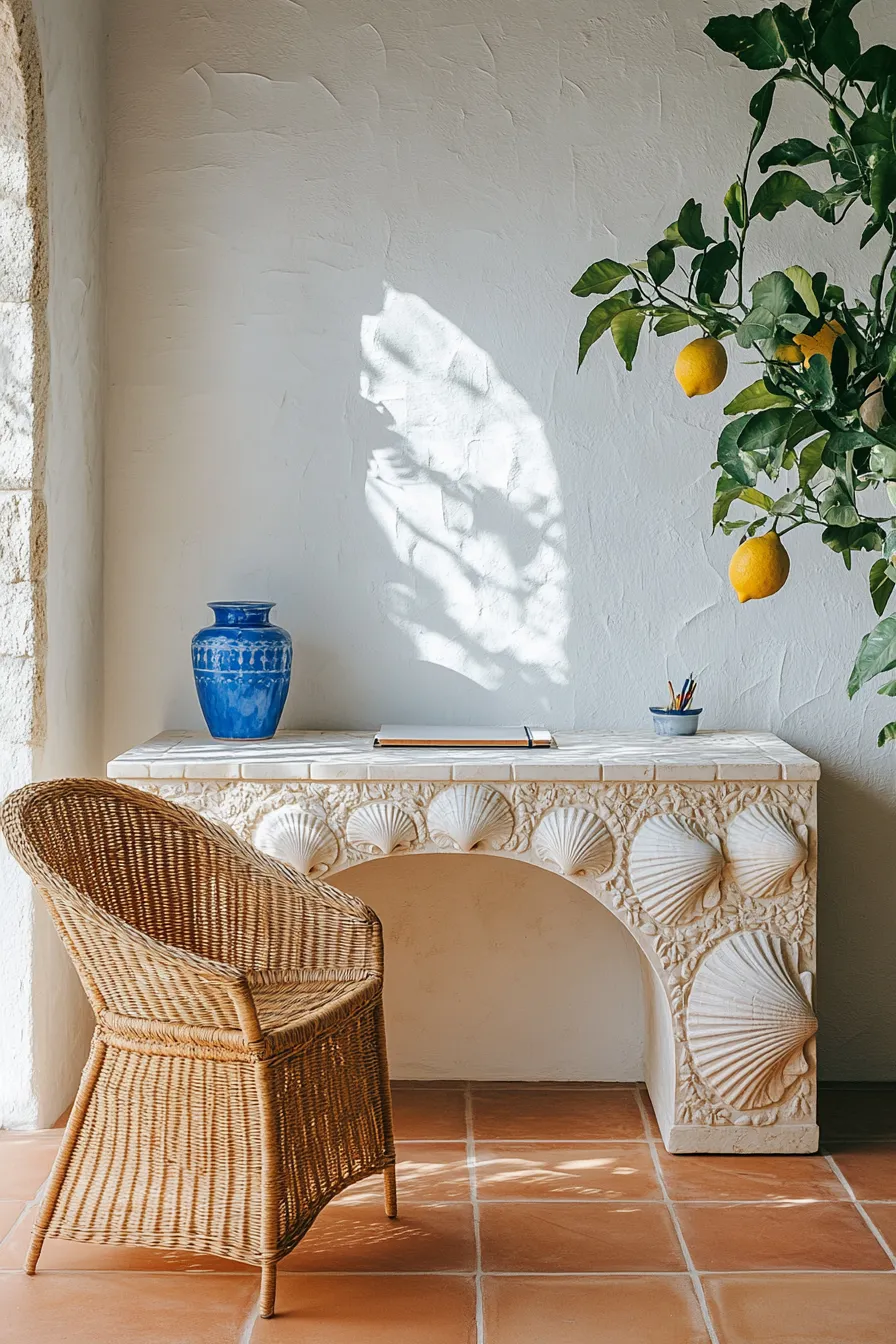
{"x": 430, "y": 735}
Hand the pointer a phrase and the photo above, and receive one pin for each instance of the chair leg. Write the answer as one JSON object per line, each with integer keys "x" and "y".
{"x": 268, "y": 1290}
{"x": 64, "y": 1156}
{"x": 391, "y": 1192}
{"x": 270, "y": 1187}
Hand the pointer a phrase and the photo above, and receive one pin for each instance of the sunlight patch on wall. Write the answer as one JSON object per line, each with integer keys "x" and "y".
{"x": 466, "y": 494}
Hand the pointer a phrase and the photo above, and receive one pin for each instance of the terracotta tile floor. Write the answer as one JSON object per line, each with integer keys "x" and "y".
{"x": 528, "y": 1215}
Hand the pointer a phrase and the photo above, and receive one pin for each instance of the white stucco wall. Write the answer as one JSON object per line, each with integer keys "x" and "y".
{"x": 342, "y": 375}
{"x": 46, "y": 1021}
{"x": 72, "y": 38}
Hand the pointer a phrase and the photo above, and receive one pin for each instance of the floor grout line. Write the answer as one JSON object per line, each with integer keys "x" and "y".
{"x": 474, "y": 1201}
{"x": 866, "y": 1218}
{"x": 551, "y": 1143}
{"x": 248, "y": 1329}
{"x": 670, "y": 1208}
{"x": 30, "y": 1206}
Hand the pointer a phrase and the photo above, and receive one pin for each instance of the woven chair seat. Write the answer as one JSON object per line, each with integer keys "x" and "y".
{"x": 237, "y": 1078}
{"x": 291, "y": 1004}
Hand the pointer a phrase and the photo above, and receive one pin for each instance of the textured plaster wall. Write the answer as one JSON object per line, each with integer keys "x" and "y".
{"x": 51, "y": 310}
{"x": 341, "y": 237}
{"x": 72, "y": 41}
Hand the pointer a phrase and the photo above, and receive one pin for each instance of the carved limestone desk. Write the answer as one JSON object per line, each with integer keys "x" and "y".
{"x": 704, "y": 847}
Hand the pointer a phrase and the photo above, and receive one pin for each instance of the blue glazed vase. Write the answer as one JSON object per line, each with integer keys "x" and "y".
{"x": 242, "y": 666}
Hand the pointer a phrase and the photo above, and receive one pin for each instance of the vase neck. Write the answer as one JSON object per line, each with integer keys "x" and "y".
{"x": 241, "y": 613}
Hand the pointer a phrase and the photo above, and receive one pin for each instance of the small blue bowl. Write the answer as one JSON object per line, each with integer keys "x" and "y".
{"x": 675, "y": 722}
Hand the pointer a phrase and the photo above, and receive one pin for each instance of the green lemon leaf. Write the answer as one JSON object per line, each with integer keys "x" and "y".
{"x": 661, "y": 262}
{"x": 757, "y": 498}
{"x": 845, "y": 540}
{"x": 801, "y": 280}
{"x": 736, "y": 205}
{"x": 760, "y": 110}
{"x": 794, "y": 322}
{"x": 674, "y": 321}
{"x": 810, "y": 461}
{"x": 600, "y": 278}
{"x": 790, "y": 30}
{"x": 690, "y": 225}
{"x": 717, "y": 262}
{"x": 722, "y": 503}
{"x": 794, "y": 153}
{"x": 882, "y": 462}
{"x": 780, "y": 191}
{"x": 626, "y": 328}
{"x": 886, "y": 734}
{"x": 883, "y": 184}
{"x": 836, "y": 507}
{"x": 599, "y": 320}
{"x": 740, "y": 469}
{"x": 787, "y": 505}
{"x": 877, "y": 63}
{"x": 775, "y": 292}
{"x": 755, "y": 41}
{"x": 757, "y": 525}
{"x": 756, "y": 397}
{"x": 881, "y": 586}
{"x": 870, "y": 130}
{"x": 758, "y": 325}
{"x": 837, "y": 45}
{"x": 820, "y": 383}
{"x": 765, "y": 429}
{"x": 821, "y": 12}
{"x": 846, "y": 440}
{"x": 873, "y": 227}
{"x": 877, "y": 653}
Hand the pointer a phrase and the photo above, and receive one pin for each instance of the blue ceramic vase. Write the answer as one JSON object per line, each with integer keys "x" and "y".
{"x": 242, "y": 666}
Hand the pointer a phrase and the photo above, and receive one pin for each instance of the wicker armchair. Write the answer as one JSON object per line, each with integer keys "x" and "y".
{"x": 237, "y": 1078}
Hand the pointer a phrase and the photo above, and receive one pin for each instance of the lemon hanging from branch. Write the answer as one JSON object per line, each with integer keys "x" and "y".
{"x": 759, "y": 567}
{"x": 701, "y": 366}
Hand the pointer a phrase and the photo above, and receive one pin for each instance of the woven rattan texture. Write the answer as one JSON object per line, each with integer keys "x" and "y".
{"x": 237, "y": 1079}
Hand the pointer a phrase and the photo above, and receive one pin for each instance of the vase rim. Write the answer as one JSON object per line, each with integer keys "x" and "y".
{"x": 264, "y": 607}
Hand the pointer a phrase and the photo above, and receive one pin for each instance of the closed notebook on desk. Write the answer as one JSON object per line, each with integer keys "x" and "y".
{"x": 428, "y": 735}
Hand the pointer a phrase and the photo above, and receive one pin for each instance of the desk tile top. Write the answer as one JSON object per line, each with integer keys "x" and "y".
{"x": 609, "y": 756}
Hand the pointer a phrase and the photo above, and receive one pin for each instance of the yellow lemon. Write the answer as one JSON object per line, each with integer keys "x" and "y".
{"x": 701, "y": 366}
{"x": 789, "y": 354}
{"x": 822, "y": 343}
{"x": 759, "y": 567}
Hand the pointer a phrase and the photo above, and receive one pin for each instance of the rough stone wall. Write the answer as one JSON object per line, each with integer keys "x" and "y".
{"x": 23, "y": 540}
{"x": 51, "y": 364}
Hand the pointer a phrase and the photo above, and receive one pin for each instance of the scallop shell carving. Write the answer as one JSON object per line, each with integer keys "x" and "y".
{"x": 380, "y": 828}
{"x": 470, "y": 816}
{"x": 675, "y": 869}
{"x": 766, "y": 851}
{"x": 749, "y": 1016}
{"x": 575, "y": 841}
{"x": 298, "y": 838}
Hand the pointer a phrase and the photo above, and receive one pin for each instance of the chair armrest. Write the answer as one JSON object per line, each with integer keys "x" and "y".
{"x": 136, "y": 976}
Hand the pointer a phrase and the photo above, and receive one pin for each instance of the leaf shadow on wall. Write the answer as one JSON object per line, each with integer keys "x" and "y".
{"x": 466, "y": 497}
